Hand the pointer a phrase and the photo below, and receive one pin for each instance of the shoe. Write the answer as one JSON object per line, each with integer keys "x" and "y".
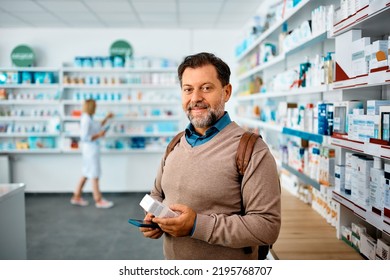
{"x": 104, "y": 204}
{"x": 79, "y": 202}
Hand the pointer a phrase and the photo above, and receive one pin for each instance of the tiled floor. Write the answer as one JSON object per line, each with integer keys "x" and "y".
{"x": 57, "y": 230}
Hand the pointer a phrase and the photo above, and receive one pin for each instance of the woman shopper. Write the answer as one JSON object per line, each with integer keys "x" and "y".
{"x": 91, "y": 132}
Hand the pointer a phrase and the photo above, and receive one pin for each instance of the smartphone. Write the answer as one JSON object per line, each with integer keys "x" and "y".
{"x": 143, "y": 223}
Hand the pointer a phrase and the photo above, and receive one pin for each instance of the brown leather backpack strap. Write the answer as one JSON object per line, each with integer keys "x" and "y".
{"x": 173, "y": 144}
{"x": 244, "y": 150}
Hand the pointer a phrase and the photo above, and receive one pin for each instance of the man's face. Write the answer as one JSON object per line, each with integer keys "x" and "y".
{"x": 203, "y": 96}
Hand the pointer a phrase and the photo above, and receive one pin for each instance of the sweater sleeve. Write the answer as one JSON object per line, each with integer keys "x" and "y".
{"x": 156, "y": 191}
{"x": 260, "y": 222}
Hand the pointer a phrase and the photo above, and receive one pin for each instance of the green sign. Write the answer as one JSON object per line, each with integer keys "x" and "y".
{"x": 121, "y": 48}
{"x": 22, "y": 56}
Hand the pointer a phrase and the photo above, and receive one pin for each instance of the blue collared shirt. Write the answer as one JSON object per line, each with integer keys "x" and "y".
{"x": 195, "y": 139}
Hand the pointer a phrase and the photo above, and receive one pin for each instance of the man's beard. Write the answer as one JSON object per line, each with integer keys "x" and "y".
{"x": 210, "y": 119}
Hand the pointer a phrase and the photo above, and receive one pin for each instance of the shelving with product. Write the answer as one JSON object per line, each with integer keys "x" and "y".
{"x": 144, "y": 101}
{"x": 29, "y": 109}
{"x": 260, "y": 107}
{"x": 365, "y": 149}
{"x": 372, "y": 86}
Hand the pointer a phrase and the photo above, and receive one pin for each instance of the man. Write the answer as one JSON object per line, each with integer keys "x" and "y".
{"x": 222, "y": 216}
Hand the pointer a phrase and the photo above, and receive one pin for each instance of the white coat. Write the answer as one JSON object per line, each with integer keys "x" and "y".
{"x": 90, "y": 148}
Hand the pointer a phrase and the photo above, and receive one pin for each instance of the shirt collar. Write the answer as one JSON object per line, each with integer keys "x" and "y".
{"x": 218, "y": 126}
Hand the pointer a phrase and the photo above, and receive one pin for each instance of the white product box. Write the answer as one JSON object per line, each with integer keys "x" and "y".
{"x": 383, "y": 249}
{"x": 339, "y": 177}
{"x": 374, "y": 105}
{"x": 388, "y": 51}
{"x": 340, "y": 114}
{"x": 359, "y": 65}
{"x": 384, "y": 123}
{"x": 358, "y": 229}
{"x": 327, "y": 166}
{"x": 379, "y": 50}
{"x": 346, "y": 232}
{"x": 349, "y": 157}
{"x": 364, "y": 165}
{"x": 386, "y": 190}
{"x": 354, "y": 178}
{"x": 343, "y": 55}
{"x": 149, "y": 204}
{"x": 367, "y": 246}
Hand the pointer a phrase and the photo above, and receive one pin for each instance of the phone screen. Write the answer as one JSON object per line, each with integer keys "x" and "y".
{"x": 143, "y": 223}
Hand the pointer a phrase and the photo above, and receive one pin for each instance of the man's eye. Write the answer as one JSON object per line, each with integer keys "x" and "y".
{"x": 206, "y": 89}
{"x": 187, "y": 90}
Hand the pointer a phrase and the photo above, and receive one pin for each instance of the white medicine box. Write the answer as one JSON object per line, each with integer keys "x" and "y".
{"x": 340, "y": 115}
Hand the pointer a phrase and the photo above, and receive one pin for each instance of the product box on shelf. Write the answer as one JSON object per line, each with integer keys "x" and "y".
{"x": 379, "y": 50}
{"x": 357, "y": 231}
{"x": 327, "y": 166}
{"x": 364, "y": 165}
{"x": 384, "y": 123}
{"x": 346, "y": 235}
{"x": 376, "y": 186}
{"x": 340, "y": 116}
{"x": 374, "y": 105}
{"x": 386, "y": 190}
{"x": 367, "y": 246}
{"x": 343, "y": 55}
{"x": 359, "y": 65}
{"x": 383, "y": 249}
{"x": 339, "y": 175}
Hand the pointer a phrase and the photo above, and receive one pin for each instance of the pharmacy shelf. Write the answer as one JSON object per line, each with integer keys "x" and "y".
{"x": 118, "y": 70}
{"x": 260, "y": 124}
{"x": 315, "y": 39}
{"x": 30, "y": 86}
{"x": 259, "y": 68}
{"x": 31, "y": 151}
{"x": 145, "y": 134}
{"x": 132, "y": 119}
{"x": 380, "y": 222}
{"x": 30, "y": 134}
{"x": 272, "y": 29}
{"x": 30, "y": 69}
{"x": 304, "y": 178}
{"x": 367, "y": 18}
{"x": 120, "y": 151}
{"x": 120, "y": 86}
{"x": 124, "y": 102}
{"x": 377, "y": 150}
{"x": 292, "y": 92}
{"x": 29, "y": 102}
{"x": 29, "y": 119}
{"x": 304, "y": 135}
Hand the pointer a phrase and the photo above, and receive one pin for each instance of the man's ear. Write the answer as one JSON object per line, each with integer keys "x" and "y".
{"x": 227, "y": 92}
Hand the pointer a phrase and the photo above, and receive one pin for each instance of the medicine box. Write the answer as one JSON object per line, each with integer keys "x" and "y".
{"x": 379, "y": 50}
{"x": 374, "y": 105}
{"x": 340, "y": 115}
{"x": 343, "y": 54}
{"x": 383, "y": 249}
{"x": 359, "y": 66}
{"x": 368, "y": 246}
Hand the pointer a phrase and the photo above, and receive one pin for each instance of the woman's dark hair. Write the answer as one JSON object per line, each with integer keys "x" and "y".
{"x": 202, "y": 59}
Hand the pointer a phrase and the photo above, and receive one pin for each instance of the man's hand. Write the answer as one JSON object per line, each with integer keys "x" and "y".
{"x": 153, "y": 233}
{"x": 178, "y": 226}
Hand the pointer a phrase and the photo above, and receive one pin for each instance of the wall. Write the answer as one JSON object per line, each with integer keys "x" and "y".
{"x": 52, "y": 47}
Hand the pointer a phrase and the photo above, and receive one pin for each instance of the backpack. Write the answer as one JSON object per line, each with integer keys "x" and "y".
{"x": 243, "y": 156}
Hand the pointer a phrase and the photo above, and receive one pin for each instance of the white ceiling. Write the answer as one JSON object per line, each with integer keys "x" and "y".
{"x": 197, "y": 14}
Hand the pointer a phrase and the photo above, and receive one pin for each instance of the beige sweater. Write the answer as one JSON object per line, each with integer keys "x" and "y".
{"x": 205, "y": 178}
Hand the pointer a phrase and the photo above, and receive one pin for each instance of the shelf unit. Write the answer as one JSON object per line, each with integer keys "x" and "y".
{"x": 144, "y": 101}
{"x": 31, "y": 113}
{"x": 373, "y": 20}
